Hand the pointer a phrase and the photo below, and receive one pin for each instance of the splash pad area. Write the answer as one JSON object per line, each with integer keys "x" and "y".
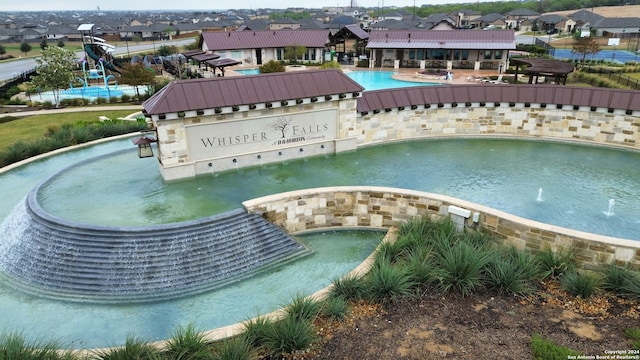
{"x": 91, "y": 93}
{"x": 561, "y": 184}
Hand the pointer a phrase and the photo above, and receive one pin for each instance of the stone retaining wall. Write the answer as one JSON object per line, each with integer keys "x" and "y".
{"x": 383, "y": 207}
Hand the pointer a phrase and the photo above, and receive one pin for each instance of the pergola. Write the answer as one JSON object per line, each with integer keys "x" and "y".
{"x": 536, "y": 67}
{"x": 222, "y": 63}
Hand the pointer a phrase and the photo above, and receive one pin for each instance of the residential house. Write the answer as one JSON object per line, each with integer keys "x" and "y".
{"x": 514, "y": 18}
{"x": 464, "y": 18}
{"x": 438, "y": 21}
{"x": 551, "y": 23}
{"x": 490, "y": 21}
{"x": 622, "y": 27}
{"x": 258, "y": 47}
{"x": 584, "y": 20}
{"x": 444, "y": 49}
{"x": 284, "y": 23}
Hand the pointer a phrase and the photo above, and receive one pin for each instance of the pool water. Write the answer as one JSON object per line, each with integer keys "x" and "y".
{"x": 370, "y": 80}
{"x": 248, "y": 71}
{"x": 82, "y": 326}
{"x": 378, "y": 80}
{"x": 577, "y": 183}
{"x": 90, "y": 93}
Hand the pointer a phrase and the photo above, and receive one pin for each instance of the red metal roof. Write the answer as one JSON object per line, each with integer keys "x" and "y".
{"x": 218, "y": 41}
{"x": 442, "y": 39}
{"x": 210, "y": 93}
{"x": 543, "y": 94}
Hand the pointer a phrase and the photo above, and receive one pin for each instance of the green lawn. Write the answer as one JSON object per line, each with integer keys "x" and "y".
{"x": 35, "y": 127}
{"x": 14, "y": 49}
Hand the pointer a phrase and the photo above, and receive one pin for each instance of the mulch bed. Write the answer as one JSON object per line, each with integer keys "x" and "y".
{"x": 481, "y": 326}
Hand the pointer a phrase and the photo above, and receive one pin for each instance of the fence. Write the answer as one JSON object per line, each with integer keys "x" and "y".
{"x": 616, "y": 76}
{"x": 16, "y": 80}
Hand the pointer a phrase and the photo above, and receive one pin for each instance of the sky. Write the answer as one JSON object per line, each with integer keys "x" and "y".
{"x": 108, "y": 5}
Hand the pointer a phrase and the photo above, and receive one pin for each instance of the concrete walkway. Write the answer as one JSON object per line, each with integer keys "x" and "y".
{"x": 135, "y": 109}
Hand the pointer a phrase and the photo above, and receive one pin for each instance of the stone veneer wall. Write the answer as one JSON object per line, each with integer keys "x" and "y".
{"x": 616, "y": 128}
{"x": 382, "y": 207}
{"x": 174, "y": 154}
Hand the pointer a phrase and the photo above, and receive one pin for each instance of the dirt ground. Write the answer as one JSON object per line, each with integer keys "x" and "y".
{"x": 482, "y": 326}
{"x": 608, "y": 11}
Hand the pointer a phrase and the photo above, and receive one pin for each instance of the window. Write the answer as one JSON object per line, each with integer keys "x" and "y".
{"x": 280, "y": 54}
{"x": 236, "y": 54}
{"x": 465, "y": 55}
{"x": 497, "y": 54}
{"x": 487, "y": 54}
{"x": 313, "y": 54}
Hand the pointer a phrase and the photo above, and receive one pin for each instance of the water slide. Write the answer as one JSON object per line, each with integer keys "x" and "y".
{"x": 92, "y": 49}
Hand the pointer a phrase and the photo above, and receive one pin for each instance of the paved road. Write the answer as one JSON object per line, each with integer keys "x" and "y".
{"x": 11, "y": 69}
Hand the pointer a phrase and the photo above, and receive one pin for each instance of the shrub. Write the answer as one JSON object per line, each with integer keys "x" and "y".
{"x": 14, "y": 346}
{"x": 617, "y": 278}
{"x": 271, "y": 67}
{"x": 188, "y": 343}
{"x": 421, "y": 266}
{"x": 505, "y": 276}
{"x": 255, "y": 331}
{"x": 543, "y": 349}
{"x": 348, "y": 288}
{"x": 582, "y": 284}
{"x": 631, "y": 288}
{"x": 235, "y": 348}
{"x": 125, "y": 98}
{"x": 553, "y": 264}
{"x": 388, "y": 283}
{"x": 459, "y": 267}
{"x": 335, "y": 307}
{"x": 289, "y": 335}
{"x": 303, "y": 308}
{"x": 330, "y": 65}
{"x": 133, "y": 349}
{"x": 634, "y": 335}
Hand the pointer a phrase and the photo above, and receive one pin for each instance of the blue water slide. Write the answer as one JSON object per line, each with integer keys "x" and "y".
{"x": 90, "y": 51}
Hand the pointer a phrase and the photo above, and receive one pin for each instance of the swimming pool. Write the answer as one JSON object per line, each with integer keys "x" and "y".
{"x": 91, "y": 93}
{"x": 370, "y": 80}
{"x": 248, "y": 71}
{"x": 378, "y": 80}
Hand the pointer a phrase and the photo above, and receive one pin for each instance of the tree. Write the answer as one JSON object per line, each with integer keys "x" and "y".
{"x": 54, "y": 70}
{"x": 166, "y": 50}
{"x": 293, "y": 52}
{"x": 136, "y": 75}
{"x": 60, "y": 43}
{"x": 586, "y": 45}
{"x": 43, "y": 44}
{"x": 25, "y": 48}
{"x": 2, "y": 50}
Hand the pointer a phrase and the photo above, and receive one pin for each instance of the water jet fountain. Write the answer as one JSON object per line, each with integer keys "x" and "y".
{"x": 609, "y": 211}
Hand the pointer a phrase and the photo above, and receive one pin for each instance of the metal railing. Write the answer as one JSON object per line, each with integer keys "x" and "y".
{"x": 617, "y": 76}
